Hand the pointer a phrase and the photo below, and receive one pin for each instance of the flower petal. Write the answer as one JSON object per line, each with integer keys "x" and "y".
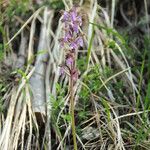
{"x": 75, "y": 27}
{"x": 66, "y": 16}
{"x": 69, "y": 61}
{"x": 73, "y": 45}
{"x": 80, "y": 41}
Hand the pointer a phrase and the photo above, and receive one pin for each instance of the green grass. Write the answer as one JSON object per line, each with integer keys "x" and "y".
{"x": 112, "y": 94}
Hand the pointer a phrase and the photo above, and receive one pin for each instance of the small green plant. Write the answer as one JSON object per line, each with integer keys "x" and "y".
{"x": 17, "y": 7}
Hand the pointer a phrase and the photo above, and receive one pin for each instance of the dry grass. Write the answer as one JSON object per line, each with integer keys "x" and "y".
{"x": 109, "y": 122}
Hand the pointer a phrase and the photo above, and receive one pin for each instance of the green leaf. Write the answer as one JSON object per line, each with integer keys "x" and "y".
{"x": 19, "y": 71}
{"x": 41, "y": 52}
{"x": 67, "y": 117}
{"x": 58, "y": 87}
{"x": 90, "y": 46}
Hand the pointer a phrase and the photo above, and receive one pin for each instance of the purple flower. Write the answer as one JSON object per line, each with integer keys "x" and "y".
{"x": 76, "y": 43}
{"x": 75, "y": 27}
{"x": 79, "y": 41}
{"x": 67, "y": 36}
{"x": 79, "y": 20}
{"x": 76, "y": 20}
{"x": 72, "y": 40}
{"x": 66, "y": 16}
{"x": 72, "y": 20}
{"x": 73, "y": 14}
{"x": 61, "y": 72}
{"x": 73, "y": 45}
{"x": 69, "y": 61}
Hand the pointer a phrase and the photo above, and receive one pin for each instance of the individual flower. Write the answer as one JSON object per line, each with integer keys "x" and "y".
{"x": 68, "y": 36}
{"x": 74, "y": 44}
{"x": 79, "y": 41}
{"x": 66, "y": 16}
{"x": 69, "y": 59}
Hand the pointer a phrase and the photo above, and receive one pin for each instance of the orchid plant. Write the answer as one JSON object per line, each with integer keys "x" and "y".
{"x": 72, "y": 40}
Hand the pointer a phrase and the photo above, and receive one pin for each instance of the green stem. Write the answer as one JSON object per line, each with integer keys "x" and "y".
{"x": 72, "y": 115}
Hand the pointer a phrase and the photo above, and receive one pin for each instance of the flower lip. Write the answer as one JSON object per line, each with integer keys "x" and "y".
{"x": 80, "y": 41}
{"x": 69, "y": 58}
{"x": 66, "y": 16}
{"x": 69, "y": 61}
{"x": 74, "y": 44}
